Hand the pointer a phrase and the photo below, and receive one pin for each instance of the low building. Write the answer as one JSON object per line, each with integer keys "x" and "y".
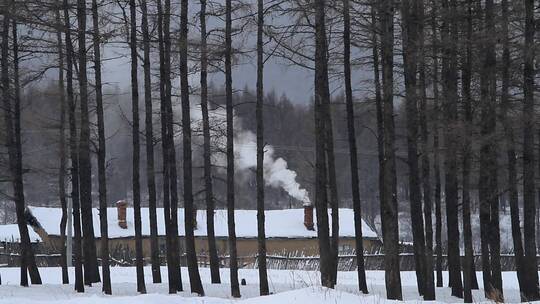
{"x": 287, "y": 231}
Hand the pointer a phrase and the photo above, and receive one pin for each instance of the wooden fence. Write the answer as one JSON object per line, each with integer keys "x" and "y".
{"x": 10, "y": 257}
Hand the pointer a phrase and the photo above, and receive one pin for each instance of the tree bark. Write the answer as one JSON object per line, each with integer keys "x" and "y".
{"x": 510, "y": 151}
{"x": 91, "y": 272}
{"x": 355, "y": 181}
{"x": 449, "y": 41}
{"x": 529, "y": 205}
{"x": 409, "y": 12}
{"x": 469, "y": 273}
{"x": 149, "y": 138}
{"x": 209, "y": 193}
{"x": 193, "y": 268}
{"x": 101, "y": 154}
{"x": 429, "y": 284}
{"x": 139, "y": 259}
{"x": 12, "y": 116}
{"x": 74, "y": 156}
{"x": 235, "y": 288}
{"x": 62, "y": 150}
{"x": 436, "y": 159}
{"x": 321, "y": 174}
{"x": 169, "y": 162}
{"x": 389, "y": 210}
{"x": 261, "y": 235}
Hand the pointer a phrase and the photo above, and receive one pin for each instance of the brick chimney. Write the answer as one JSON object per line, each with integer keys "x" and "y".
{"x": 308, "y": 216}
{"x": 121, "y": 207}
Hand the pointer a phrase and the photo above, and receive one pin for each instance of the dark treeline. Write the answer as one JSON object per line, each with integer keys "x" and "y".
{"x": 422, "y": 115}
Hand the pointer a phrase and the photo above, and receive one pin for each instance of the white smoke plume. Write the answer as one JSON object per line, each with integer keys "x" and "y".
{"x": 276, "y": 172}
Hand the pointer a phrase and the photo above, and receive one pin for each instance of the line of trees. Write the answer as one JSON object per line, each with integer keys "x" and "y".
{"x": 464, "y": 69}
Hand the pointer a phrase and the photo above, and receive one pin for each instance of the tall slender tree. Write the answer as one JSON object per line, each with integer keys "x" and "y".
{"x": 389, "y": 212}
{"x": 355, "y": 181}
{"x": 321, "y": 165}
{"x": 531, "y": 292}
{"x": 511, "y": 155}
{"x": 409, "y": 13}
{"x": 12, "y": 120}
{"x": 436, "y": 131}
{"x": 62, "y": 148}
{"x": 207, "y": 153}
{"x": 261, "y": 235}
{"x": 488, "y": 190}
{"x": 469, "y": 273}
{"x": 193, "y": 268}
{"x": 141, "y": 286}
{"x": 429, "y": 284}
{"x": 171, "y": 151}
{"x": 73, "y": 150}
{"x": 91, "y": 272}
{"x": 149, "y": 138}
{"x": 101, "y": 153}
{"x": 449, "y": 77}
{"x": 233, "y": 258}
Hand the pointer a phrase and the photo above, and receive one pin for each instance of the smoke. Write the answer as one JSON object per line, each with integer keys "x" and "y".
{"x": 276, "y": 171}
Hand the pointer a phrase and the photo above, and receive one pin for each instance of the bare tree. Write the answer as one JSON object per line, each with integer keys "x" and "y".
{"x": 207, "y": 153}
{"x": 74, "y": 156}
{"x": 149, "y": 137}
{"x": 389, "y": 214}
{"x": 261, "y": 235}
{"x": 141, "y": 286}
{"x": 355, "y": 180}
{"x": 189, "y": 214}
{"x": 101, "y": 153}
{"x": 235, "y": 287}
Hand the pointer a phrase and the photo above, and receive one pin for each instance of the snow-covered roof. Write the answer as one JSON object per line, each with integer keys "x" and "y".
{"x": 11, "y": 233}
{"x": 287, "y": 223}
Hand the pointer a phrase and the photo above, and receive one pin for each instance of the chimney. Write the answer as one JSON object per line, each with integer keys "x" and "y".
{"x": 121, "y": 210}
{"x": 308, "y": 216}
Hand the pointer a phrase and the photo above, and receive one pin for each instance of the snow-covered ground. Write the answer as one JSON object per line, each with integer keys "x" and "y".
{"x": 287, "y": 286}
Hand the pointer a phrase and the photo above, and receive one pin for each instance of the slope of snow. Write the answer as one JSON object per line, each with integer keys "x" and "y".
{"x": 286, "y": 286}
{"x": 279, "y": 223}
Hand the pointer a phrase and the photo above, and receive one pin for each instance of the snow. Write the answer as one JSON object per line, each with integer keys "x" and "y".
{"x": 286, "y": 286}
{"x": 287, "y": 223}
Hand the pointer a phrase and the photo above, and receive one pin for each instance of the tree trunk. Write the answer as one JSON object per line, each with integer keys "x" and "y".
{"x": 469, "y": 273}
{"x": 171, "y": 157}
{"x": 429, "y": 284}
{"x": 62, "y": 150}
{"x": 91, "y": 272}
{"x": 174, "y": 275}
{"x": 261, "y": 236}
{"x": 449, "y": 41}
{"x": 321, "y": 134}
{"x": 193, "y": 268}
{"x": 409, "y": 12}
{"x": 235, "y": 288}
{"x": 529, "y": 205}
{"x": 436, "y": 160}
{"x": 101, "y": 154}
{"x": 355, "y": 181}
{"x": 139, "y": 259}
{"x": 389, "y": 207}
{"x": 73, "y": 150}
{"x": 378, "y": 102}
{"x": 209, "y": 193}
{"x": 12, "y": 121}
{"x": 149, "y": 137}
{"x": 488, "y": 190}
{"x": 511, "y": 152}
